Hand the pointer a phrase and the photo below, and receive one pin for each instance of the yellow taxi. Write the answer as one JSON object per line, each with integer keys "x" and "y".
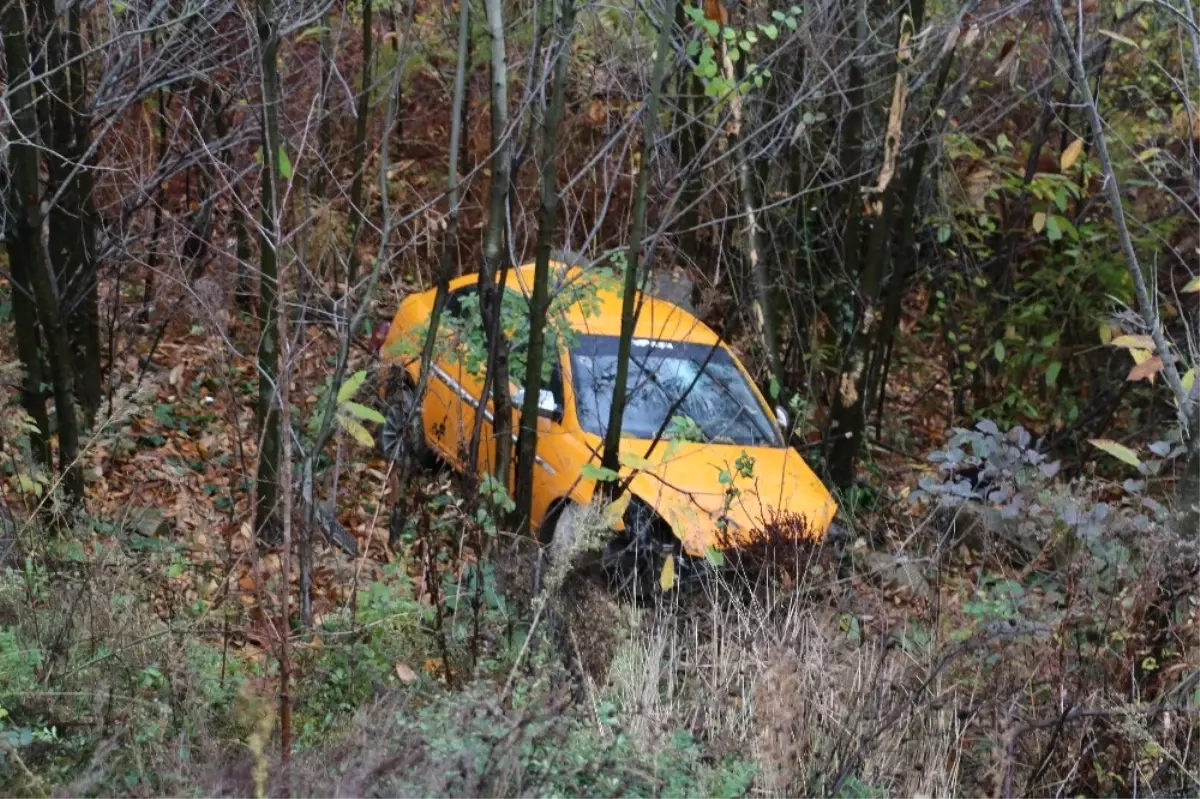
{"x": 707, "y": 465}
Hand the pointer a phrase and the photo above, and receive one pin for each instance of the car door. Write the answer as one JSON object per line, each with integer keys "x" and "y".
{"x": 449, "y": 408}
{"x": 549, "y": 422}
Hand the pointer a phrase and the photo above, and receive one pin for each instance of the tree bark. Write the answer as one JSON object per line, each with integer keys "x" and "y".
{"x": 845, "y": 417}
{"x": 612, "y": 434}
{"x": 748, "y": 184}
{"x": 450, "y": 242}
{"x": 491, "y": 294}
{"x": 539, "y": 300}
{"x": 266, "y": 515}
{"x": 72, "y": 217}
{"x": 360, "y": 147}
{"x": 164, "y": 106}
{"x": 23, "y": 239}
{"x": 324, "y": 169}
{"x": 903, "y": 271}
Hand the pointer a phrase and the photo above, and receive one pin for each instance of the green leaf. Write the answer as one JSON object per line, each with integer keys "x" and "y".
{"x": 943, "y": 234}
{"x": 1052, "y": 372}
{"x": 1060, "y": 198}
{"x": 715, "y": 556}
{"x": 351, "y": 386}
{"x": 774, "y": 388}
{"x": 998, "y": 351}
{"x": 311, "y": 33}
{"x": 363, "y": 412}
{"x": 1192, "y": 286}
{"x": 356, "y": 430}
{"x": 634, "y": 461}
{"x": 590, "y": 471}
{"x": 1118, "y": 451}
{"x": 27, "y": 484}
{"x": 285, "y": 164}
{"x": 1053, "y": 228}
{"x": 771, "y": 31}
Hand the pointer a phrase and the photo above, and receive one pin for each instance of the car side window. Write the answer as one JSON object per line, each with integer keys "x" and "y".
{"x": 553, "y": 380}
{"x": 457, "y": 302}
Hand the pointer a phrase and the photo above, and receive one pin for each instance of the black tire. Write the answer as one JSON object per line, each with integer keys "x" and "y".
{"x": 634, "y": 559}
{"x": 402, "y": 437}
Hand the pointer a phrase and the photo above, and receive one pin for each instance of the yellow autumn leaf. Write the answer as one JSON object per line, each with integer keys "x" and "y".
{"x": 1192, "y": 286}
{"x": 1134, "y": 342}
{"x": 666, "y": 580}
{"x": 1146, "y": 155}
{"x": 1140, "y": 356}
{"x": 614, "y": 512}
{"x": 356, "y": 430}
{"x": 1071, "y": 154}
{"x": 1118, "y": 451}
{"x": 1105, "y": 334}
{"x": 1039, "y": 221}
{"x": 1189, "y": 380}
{"x": 1116, "y": 37}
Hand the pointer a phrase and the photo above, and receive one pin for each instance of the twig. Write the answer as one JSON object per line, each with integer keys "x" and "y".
{"x": 539, "y": 605}
{"x": 1112, "y": 189}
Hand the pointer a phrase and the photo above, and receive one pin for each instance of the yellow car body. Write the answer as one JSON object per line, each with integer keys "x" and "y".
{"x": 687, "y": 482}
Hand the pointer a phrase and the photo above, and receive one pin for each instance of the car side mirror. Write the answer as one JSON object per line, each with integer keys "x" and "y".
{"x": 546, "y": 405}
{"x": 781, "y": 416}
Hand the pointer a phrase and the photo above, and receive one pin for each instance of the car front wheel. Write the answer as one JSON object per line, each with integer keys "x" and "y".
{"x": 634, "y": 558}
{"x": 402, "y": 439}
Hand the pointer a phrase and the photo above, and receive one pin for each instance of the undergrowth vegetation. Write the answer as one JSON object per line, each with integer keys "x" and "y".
{"x": 954, "y": 244}
{"x": 1044, "y": 641}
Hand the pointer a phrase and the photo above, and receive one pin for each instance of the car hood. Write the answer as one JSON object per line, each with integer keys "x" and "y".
{"x": 688, "y": 484}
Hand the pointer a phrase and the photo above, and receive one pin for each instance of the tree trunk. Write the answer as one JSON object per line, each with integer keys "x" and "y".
{"x": 844, "y": 417}
{"x": 491, "y": 294}
{"x": 72, "y": 216}
{"x": 266, "y": 515}
{"x": 450, "y": 242}
{"x": 539, "y": 300}
{"x": 612, "y": 434}
{"x": 357, "y": 215}
{"x": 23, "y": 239}
{"x": 692, "y": 141}
{"x": 905, "y": 254}
{"x": 164, "y": 106}
{"x": 324, "y": 169}
{"x": 748, "y": 184}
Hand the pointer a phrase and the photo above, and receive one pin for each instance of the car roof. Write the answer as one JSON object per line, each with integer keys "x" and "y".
{"x": 658, "y": 319}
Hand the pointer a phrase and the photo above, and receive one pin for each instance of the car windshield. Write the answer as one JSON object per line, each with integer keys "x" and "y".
{"x": 697, "y": 381}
